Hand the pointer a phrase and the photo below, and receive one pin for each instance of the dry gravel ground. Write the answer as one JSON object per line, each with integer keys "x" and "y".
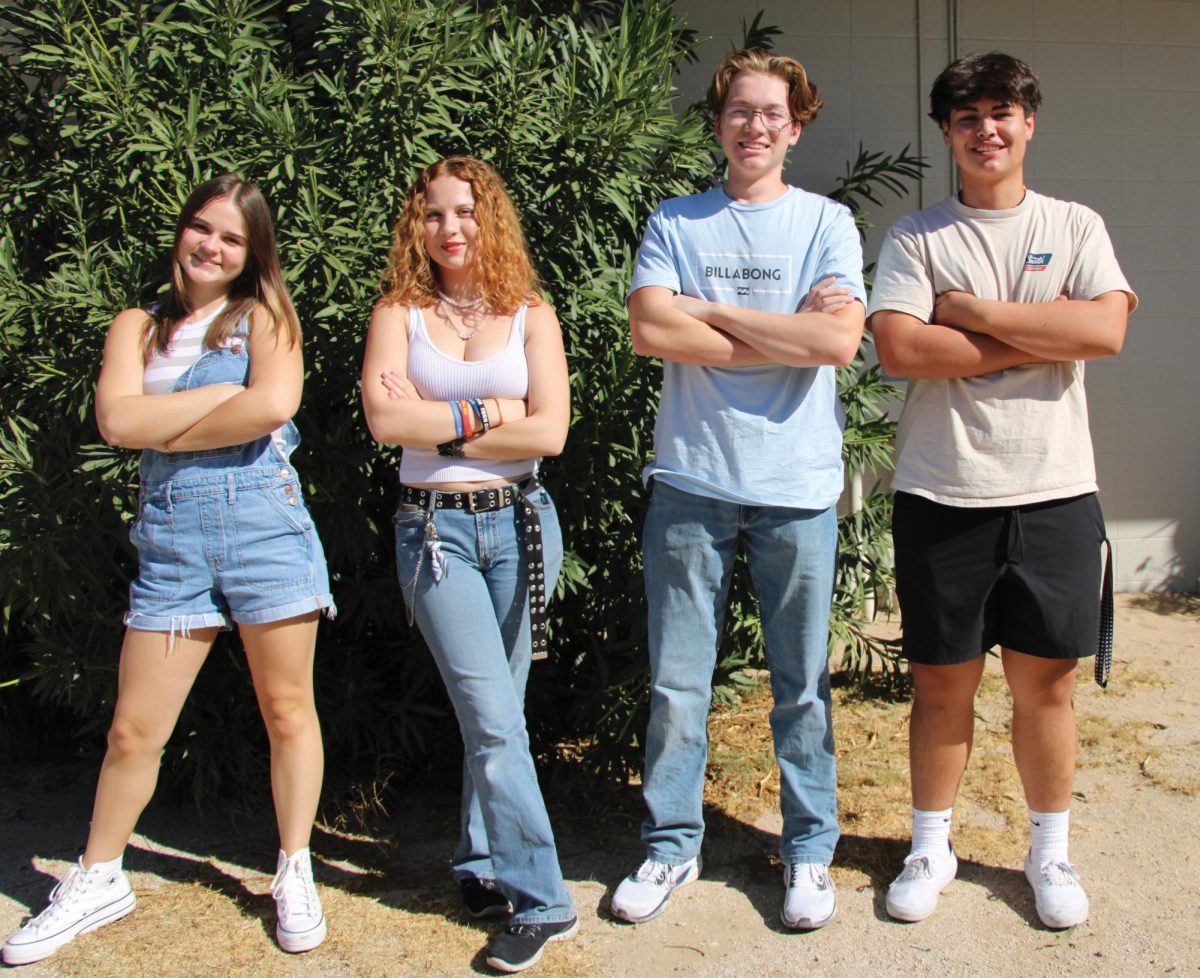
{"x": 204, "y": 906}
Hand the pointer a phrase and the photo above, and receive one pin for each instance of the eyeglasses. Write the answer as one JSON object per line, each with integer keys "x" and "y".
{"x": 775, "y": 119}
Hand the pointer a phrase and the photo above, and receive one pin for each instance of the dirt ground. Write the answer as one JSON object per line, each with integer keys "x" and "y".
{"x": 204, "y": 906}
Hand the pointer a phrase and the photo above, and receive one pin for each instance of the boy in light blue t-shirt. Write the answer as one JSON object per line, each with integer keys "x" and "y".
{"x": 750, "y": 294}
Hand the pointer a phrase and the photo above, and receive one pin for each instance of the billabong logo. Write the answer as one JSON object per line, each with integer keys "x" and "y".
{"x": 745, "y": 275}
{"x": 1038, "y": 261}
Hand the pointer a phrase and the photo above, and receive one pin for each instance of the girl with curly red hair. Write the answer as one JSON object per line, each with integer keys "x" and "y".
{"x": 465, "y": 369}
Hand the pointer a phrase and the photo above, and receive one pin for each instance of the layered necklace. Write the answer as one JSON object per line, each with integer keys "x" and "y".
{"x": 470, "y": 311}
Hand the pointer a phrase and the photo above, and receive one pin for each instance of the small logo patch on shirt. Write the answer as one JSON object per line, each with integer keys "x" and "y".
{"x": 1038, "y": 261}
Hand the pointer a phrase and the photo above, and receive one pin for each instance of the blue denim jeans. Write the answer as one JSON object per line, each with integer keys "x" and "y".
{"x": 475, "y": 621}
{"x": 688, "y": 552}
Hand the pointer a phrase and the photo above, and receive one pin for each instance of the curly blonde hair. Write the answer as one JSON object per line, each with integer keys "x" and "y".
{"x": 803, "y": 101}
{"x": 506, "y": 274}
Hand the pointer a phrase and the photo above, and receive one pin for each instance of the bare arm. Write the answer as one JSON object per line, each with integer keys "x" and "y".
{"x": 271, "y": 395}
{"x": 1065, "y": 329}
{"x": 129, "y": 418}
{"x": 827, "y": 329}
{"x": 660, "y": 329}
{"x": 908, "y": 347}
{"x": 543, "y": 430}
{"x": 395, "y": 412}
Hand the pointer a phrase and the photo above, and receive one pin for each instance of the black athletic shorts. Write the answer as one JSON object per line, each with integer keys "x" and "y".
{"x": 1026, "y": 578}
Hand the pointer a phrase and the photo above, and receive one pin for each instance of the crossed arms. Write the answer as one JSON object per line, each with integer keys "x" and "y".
{"x": 213, "y": 416}
{"x": 968, "y": 336}
{"x": 827, "y": 329}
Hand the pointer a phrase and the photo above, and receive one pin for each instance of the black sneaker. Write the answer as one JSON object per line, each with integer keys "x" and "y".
{"x": 520, "y": 945}
{"x": 481, "y": 899}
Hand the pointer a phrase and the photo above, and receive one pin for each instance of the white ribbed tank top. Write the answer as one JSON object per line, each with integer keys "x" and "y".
{"x": 438, "y": 377}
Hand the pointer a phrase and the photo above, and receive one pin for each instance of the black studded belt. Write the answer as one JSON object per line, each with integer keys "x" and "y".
{"x": 486, "y": 501}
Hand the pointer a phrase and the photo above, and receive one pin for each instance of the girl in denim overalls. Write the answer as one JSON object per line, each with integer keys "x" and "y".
{"x": 465, "y": 368}
{"x": 206, "y": 385}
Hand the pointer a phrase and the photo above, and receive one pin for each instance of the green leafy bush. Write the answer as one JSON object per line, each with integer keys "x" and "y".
{"x": 113, "y": 110}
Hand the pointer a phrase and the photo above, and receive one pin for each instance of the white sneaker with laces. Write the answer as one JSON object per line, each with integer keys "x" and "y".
{"x": 84, "y": 900}
{"x": 809, "y": 896}
{"x": 644, "y": 893}
{"x": 301, "y": 924}
{"x": 913, "y": 894}
{"x": 1057, "y": 893}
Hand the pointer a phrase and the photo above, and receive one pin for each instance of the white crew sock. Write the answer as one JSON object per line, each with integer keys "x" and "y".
{"x": 931, "y": 832}
{"x": 1050, "y": 831}
{"x": 102, "y": 868}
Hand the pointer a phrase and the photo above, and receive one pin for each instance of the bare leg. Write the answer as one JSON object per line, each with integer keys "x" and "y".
{"x": 152, "y": 685}
{"x": 942, "y": 730}
{"x": 280, "y": 655}
{"x": 1043, "y": 729}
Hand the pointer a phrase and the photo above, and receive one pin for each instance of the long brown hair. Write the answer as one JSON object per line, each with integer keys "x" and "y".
{"x": 506, "y": 274}
{"x": 260, "y": 284}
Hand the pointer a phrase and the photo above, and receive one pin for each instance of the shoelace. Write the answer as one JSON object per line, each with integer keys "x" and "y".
{"x": 917, "y": 868}
{"x": 652, "y": 869}
{"x": 1058, "y": 873}
{"x": 797, "y": 873}
{"x": 65, "y": 894}
{"x": 294, "y": 891}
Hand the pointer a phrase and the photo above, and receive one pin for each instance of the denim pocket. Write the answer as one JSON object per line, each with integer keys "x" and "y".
{"x": 407, "y": 516}
{"x": 285, "y": 499}
{"x": 160, "y": 569}
{"x": 274, "y": 538}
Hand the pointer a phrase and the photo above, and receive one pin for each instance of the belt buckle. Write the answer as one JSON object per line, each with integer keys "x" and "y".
{"x": 471, "y": 501}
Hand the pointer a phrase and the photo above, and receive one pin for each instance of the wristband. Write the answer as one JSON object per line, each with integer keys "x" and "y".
{"x": 499, "y": 413}
{"x": 481, "y": 410}
{"x": 467, "y": 419}
{"x": 456, "y": 413}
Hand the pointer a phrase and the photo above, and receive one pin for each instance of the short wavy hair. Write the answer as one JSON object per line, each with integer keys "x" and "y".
{"x": 803, "y": 101}
{"x": 994, "y": 75}
{"x": 506, "y": 274}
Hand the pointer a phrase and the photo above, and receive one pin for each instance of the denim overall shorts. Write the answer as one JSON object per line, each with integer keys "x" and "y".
{"x": 224, "y": 533}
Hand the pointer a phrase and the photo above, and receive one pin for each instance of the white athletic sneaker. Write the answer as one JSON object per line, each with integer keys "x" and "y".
{"x": 301, "y": 923}
{"x": 644, "y": 893}
{"x": 913, "y": 894}
{"x": 1057, "y": 893}
{"x": 84, "y": 900}
{"x": 809, "y": 897}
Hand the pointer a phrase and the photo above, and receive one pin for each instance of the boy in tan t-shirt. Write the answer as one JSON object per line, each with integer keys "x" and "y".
{"x": 990, "y": 302}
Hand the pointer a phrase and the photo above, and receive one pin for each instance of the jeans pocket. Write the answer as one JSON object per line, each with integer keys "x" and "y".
{"x": 284, "y": 498}
{"x": 160, "y": 570}
{"x": 408, "y": 515}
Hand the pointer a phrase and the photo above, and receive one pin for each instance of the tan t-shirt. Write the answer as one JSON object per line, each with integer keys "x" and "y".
{"x": 1013, "y": 436}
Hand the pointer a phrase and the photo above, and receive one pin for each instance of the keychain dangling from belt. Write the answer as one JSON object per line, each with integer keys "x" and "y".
{"x": 438, "y": 565}
{"x": 437, "y": 560}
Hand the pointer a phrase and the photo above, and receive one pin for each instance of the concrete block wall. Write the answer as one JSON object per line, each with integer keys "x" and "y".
{"x": 1119, "y": 130}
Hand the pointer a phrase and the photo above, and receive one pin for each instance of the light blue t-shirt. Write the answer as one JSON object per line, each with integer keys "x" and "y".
{"x": 768, "y": 435}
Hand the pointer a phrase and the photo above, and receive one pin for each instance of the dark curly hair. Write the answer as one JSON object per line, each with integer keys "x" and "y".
{"x": 993, "y": 75}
